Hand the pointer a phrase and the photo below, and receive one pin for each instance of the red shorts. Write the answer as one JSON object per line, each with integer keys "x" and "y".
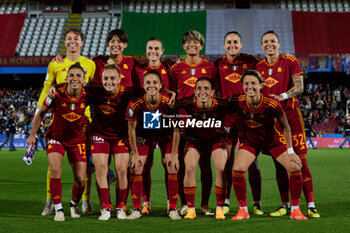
{"x": 296, "y": 124}
{"x": 107, "y": 146}
{"x": 276, "y": 148}
{"x": 144, "y": 145}
{"x": 205, "y": 147}
{"x": 75, "y": 151}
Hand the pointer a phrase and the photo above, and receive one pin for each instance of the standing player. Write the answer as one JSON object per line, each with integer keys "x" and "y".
{"x": 56, "y": 74}
{"x": 109, "y": 134}
{"x": 201, "y": 138}
{"x": 258, "y": 114}
{"x": 143, "y": 139}
{"x": 230, "y": 69}
{"x": 184, "y": 76}
{"x": 284, "y": 80}
{"x": 65, "y": 134}
{"x": 346, "y": 134}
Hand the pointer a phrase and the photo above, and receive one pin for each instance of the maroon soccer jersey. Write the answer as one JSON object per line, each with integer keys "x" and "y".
{"x": 258, "y": 125}
{"x": 108, "y": 119}
{"x": 184, "y": 76}
{"x": 142, "y": 68}
{"x": 230, "y": 73}
{"x": 125, "y": 65}
{"x": 279, "y": 77}
{"x": 204, "y": 125}
{"x": 145, "y": 115}
{"x": 68, "y": 116}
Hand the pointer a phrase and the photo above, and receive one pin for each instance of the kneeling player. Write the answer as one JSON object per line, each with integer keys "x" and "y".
{"x": 258, "y": 114}
{"x": 65, "y": 134}
{"x": 142, "y": 139}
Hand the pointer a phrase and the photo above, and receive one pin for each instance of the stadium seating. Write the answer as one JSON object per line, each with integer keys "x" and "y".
{"x": 13, "y": 7}
{"x": 165, "y": 6}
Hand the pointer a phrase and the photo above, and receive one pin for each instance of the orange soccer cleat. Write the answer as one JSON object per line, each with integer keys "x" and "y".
{"x": 297, "y": 215}
{"x": 241, "y": 214}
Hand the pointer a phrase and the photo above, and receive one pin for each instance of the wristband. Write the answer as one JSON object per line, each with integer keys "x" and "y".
{"x": 290, "y": 150}
{"x": 36, "y": 111}
{"x": 284, "y": 95}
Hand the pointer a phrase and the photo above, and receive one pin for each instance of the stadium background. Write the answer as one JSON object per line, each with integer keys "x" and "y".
{"x": 316, "y": 31}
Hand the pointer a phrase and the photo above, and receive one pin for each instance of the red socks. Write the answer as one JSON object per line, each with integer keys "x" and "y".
{"x": 190, "y": 193}
{"x": 173, "y": 189}
{"x": 295, "y": 187}
{"x": 220, "y": 196}
{"x": 103, "y": 194}
{"x": 136, "y": 190}
{"x": 56, "y": 190}
{"x": 240, "y": 187}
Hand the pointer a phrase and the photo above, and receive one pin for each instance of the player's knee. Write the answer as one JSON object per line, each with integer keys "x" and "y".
{"x": 190, "y": 169}
{"x": 55, "y": 171}
{"x": 239, "y": 167}
{"x": 293, "y": 167}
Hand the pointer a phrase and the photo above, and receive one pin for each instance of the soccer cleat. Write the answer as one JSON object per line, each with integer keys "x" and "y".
{"x": 183, "y": 209}
{"x": 105, "y": 214}
{"x": 146, "y": 209}
{"x": 206, "y": 211}
{"x": 257, "y": 210}
{"x": 174, "y": 215}
{"x": 226, "y": 208}
{"x": 313, "y": 213}
{"x": 86, "y": 208}
{"x": 120, "y": 214}
{"x": 241, "y": 214}
{"x": 220, "y": 214}
{"x": 297, "y": 215}
{"x": 191, "y": 214}
{"x": 281, "y": 211}
{"x": 74, "y": 211}
{"x": 135, "y": 214}
{"x": 59, "y": 216}
{"x": 48, "y": 208}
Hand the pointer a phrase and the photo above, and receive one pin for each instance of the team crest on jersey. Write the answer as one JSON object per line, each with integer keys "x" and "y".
{"x": 252, "y": 124}
{"x": 125, "y": 66}
{"x": 279, "y": 69}
{"x": 82, "y": 105}
{"x": 163, "y": 71}
{"x": 204, "y": 71}
{"x": 191, "y": 82}
{"x": 234, "y": 77}
{"x": 106, "y": 109}
{"x": 72, "y": 116}
{"x": 151, "y": 120}
{"x": 270, "y": 82}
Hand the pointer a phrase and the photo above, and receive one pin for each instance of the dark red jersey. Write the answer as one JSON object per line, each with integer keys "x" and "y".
{"x": 142, "y": 68}
{"x": 125, "y": 65}
{"x": 149, "y": 119}
{"x": 203, "y": 124}
{"x": 108, "y": 119}
{"x": 279, "y": 77}
{"x": 230, "y": 73}
{"x": 184, "y": 76}
{"x": 257, "y": 125}
{"x": 68, "y": 116}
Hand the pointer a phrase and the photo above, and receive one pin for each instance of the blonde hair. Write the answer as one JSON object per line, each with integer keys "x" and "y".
{"x": 193, "y": 35}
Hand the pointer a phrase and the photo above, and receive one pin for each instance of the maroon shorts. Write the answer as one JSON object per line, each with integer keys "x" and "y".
{"x": 275, "y": 148}
{"x": 145, "y": 145}
{"x": 107, "y": 146}
{"x": 296, "y": 124}
{"x": 204, "y": 147}
{"x": 75, "y": 151}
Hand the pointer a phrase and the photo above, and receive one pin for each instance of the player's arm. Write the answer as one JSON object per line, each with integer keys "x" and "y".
{"x": 36, "y": 124}
{"x": 282, "y": 120}
{"x": 296, "y": 90}
{"x": 172, "y": 96}
{"x": 135, "y": 159}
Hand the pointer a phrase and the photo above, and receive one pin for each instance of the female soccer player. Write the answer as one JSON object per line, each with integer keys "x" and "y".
{"x": 258, "y": 114}
{"x": 109, "y": 134}
{"x": 145, "y": 131}
{"x": 56, "y": 74}
{"x": 65, "y": 134}
{"x": 209, "y": 112}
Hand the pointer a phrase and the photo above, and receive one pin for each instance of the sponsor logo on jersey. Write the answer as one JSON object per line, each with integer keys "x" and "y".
{"x": 106, "y": 109}
{"x": 130, "y": 112}
{"x": 234, "y": 77}
{"x": 72, "y": 116}
{"x": 52, "y": 141}
{"x": 252, "y": 124}
{"x": 97, "y": 139}
{"x": 151, "y": 120}
{"x": 191, "y": 82}
{"x": 270, "y": 82}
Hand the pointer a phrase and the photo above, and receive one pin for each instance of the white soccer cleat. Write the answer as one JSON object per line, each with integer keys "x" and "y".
{"x": 135, "y": 214}
{"x": 183, "y": 209}
{"x": 59, "y": 216}
{"x": 174, "y": 215}
{"x": 120, "y": 214}
{"x": 86, "y": 208}
{"x": 206, "y": 211}
{"x": 48, "y": 208}
{"x": 105, "y": 215}
{"x": 74, "y": 212}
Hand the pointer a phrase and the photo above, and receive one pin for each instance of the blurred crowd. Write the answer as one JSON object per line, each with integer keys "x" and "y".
{"x": 319, "y": 102}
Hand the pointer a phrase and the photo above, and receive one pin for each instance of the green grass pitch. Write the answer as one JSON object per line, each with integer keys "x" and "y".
{"x": 22, "y": 193}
